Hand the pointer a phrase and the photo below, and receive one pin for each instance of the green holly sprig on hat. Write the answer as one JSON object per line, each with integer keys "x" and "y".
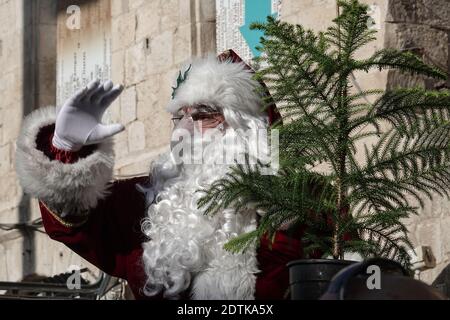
{"x": 181, "y": 78}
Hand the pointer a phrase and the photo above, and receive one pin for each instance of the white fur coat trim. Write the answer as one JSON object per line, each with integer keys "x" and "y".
{"x": 66, "y": 188}
{"x": 221, "y": 84}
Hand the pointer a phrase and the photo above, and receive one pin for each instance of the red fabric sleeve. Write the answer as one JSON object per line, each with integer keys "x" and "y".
{"x": 111, "y": 237}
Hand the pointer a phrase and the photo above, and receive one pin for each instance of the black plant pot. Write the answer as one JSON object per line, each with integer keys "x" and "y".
{"x": 309, "y": 279}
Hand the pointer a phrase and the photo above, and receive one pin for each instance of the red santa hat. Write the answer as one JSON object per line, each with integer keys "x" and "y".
{"x": 224, "y": 82}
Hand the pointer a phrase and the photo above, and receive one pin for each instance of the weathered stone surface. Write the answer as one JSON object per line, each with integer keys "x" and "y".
{"x": 182, "y": 49}
{"x": 121, "y": 145}
{"x": 140, "y": 168}
{"x": 148, "y": 97}
{"x": 118, "y": 66}
{"x": 207, "y": 36}
{"x": 428, "y": 233}
{"x": 186, "y": 9}
{"x": 158, "y": 130}
{"x": 136, "y": 136}
{"x": 161, "y": 50}
{"x": 9, "y": 13}
{"x": 430, "y": 12}
{"x": 119, "y": 7}
{"x": 9, "y": 196}
{"x": 12, "y": 122}
{"x": 429, "y": 43}
{"x": 123, "y": 30}
{"x": 170, "y": 15}
{"x": 137, "y": 4}
{"x": 148, "y": 20}
{"x": 10, "y": 86}
{"x": 5, "y": 159}
{"x": 128, "y": 105}
{"x": 13, "y": 258}
{"x": 316, "y": 15}
{"x": 445, "y": 236}
{"x": 135, "y": 65}
{"x": 207, "y": 11}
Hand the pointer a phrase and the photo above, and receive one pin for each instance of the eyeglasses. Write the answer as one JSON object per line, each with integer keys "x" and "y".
{"x": 198, "y": 113}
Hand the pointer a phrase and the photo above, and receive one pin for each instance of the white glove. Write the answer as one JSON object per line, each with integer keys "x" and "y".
{"x": 78, "y": 121}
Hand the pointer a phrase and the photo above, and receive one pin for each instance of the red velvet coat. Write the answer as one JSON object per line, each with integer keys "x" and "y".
{"x": 111, "y": 238}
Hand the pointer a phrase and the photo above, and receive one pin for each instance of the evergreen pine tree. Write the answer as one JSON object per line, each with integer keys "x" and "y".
{"x": 351, "y": 206}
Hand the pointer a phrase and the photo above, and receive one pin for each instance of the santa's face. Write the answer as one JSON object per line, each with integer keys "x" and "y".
{"x": 198, "y": 117}
{"x": 195, "y": 127}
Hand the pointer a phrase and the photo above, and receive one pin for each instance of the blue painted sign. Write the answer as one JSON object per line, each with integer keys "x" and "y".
{"x": 255, "y": 11}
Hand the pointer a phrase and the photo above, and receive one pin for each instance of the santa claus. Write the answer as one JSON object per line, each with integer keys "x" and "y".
{"x": 149, "y": 230}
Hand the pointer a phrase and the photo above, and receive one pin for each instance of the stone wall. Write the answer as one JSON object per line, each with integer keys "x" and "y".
{"x": 27, "y": 61}
{"x": 423, "y": 27}
{"x": 11, "y": 77}
{"x": 151, "y": 41}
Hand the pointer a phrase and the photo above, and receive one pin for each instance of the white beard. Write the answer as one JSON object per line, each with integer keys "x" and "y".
{"x": 186, "y": 247}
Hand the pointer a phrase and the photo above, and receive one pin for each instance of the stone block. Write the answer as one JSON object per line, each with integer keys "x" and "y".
{"x": 148, "y": 20}
{"x": 123, "y": 29}
{"x": 428, "y": 233}
{"x": 182, "y": 47}
{"x": 423, "y": 39}
{"x": 121, "y": 144}
{"x": 3, "y": 262}
{"x": 137, "y": 4}
{"x": 429, "y": 43}
{"x": 135, "y": 65}
{"x": 11, "y": 89}
{"x": 9, "y": 60}
{"x": 13, "y": 257}
{"x": 137, "y": 168}
{"x": 186, "y": 9}
{"x": 158, "y": 130}
{"x": 9, "y": 11}
{"x": 112, "y": 114}
{"x": 12, "y": 120}
{"x": 5, "y": 159}
{"x": 161, "y": 51}
{"x": 170, "y": 15}
{"x": 207, "y": 34}
{"x": 9, "y": 197}
{"x": 128, "y": 105}
{"x": 119, "y": 7}
{"x": 314, "y": 14}
{"x": 136, "y": 136}
{"x": 207, "y": 11}
{"x": 445, "y": 234}
{"x": 430, "y": 12}
{"x": 148, "y": 96}
{"x": 168, "y": 80}
{"x": 117, "y": 66}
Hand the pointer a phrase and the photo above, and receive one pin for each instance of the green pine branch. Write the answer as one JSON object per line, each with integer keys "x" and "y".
{"x": 360, "y": 202}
